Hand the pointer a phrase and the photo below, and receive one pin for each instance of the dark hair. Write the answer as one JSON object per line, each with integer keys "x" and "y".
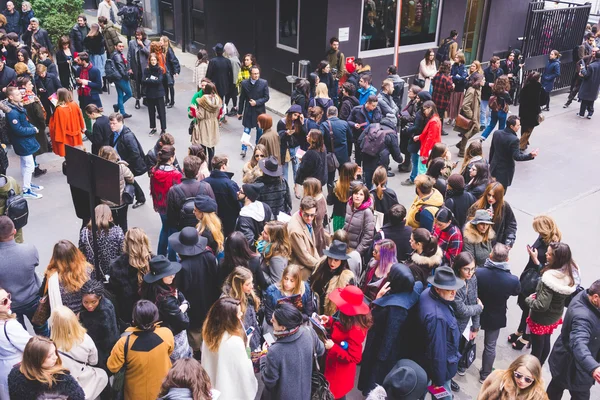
{"x": 6, "y": 227}
{"x": 191, "y": 166}
{"x": 366, "y": 78}
{"x": 82, "y": 16}
{"x": 93, "y": 286}
{"x": 303, "y": 85}
{"x": 594, "y": 288}
{"x": 392, "y": 70}
{"x": 494, "y": 60}
{"x": 429, "y": 104}
{"x": 198, "y": 151}
{"x": 254, "y": 66}
{"x": 83, "y": 56}
{"x": 483, "y": 173}
{"x": 322, "y": 66}
{"x": 218, "y": 161}
{"x": 165, "y": 154}
{"x": 460, "y": 261}
{"x": 334, "y": 39}
{"x": 435, "y": 167}
{"x": 188, "y": 373}
{"x": 500, "y": 253}
{"x": 445, "y": 67}
{"x": 202, "y": 56}
{"x": 361, "y": 188}
{"x": 426, "y": 57}
{"x": 359, "y": 61}
{"x": 444, "y": 215}
{"x": 363, "y": 321}
{"x": 372, "y": 99}
{"x": 349, "y": 88}
{"x": 475, "y": 80}
{"x": 25, "y": 55}
{"x": 91, "y": 108}
{"x": 429, "y": 242}
{"x": 512, "y": 120}
{"x": 307, "y": 203}
{"x": 438, "y": 150}
{"x": 312, "y": 79}
{"x": 141, "y": 31}
{"x": 453, "y": 33}
{"x": 316, "y": 140}
{"x": 563, "y": 259}
{"x": 237, "y": 253}
{"x": 116, "y": 116}
{"x": 102, "y": 19}
{"x": 287, "y": 315}
{"x": 23, "y": 80}
{"x": 145, "y": 315}
{"x": 397, "y": 214}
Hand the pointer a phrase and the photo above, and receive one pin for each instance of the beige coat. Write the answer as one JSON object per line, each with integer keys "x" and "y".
{"x": 125, "y": 176}
{"x": 206, "y": 130}
{"x": 270, "y": 139}
{"x": 304, "y": 247}
{"x": 495, "y": 389}
{"x": 470, "y": 109}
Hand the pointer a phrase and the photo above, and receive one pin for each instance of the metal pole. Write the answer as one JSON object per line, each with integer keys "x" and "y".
{"x": 397, "y": 38}
{"x": 92, "y": 194}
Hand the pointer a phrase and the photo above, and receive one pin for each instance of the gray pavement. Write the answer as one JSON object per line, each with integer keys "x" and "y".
{"x": 551, "y": 184}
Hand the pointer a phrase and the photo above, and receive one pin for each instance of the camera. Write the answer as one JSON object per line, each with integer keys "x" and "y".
{"x": 334, "y": 71}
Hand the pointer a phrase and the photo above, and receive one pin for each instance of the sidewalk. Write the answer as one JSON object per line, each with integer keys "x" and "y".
{"x": 278, "y": 103}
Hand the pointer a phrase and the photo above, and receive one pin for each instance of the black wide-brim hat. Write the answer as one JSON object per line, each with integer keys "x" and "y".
{"x": 188, "y": 242}
{"x": 270, "y": 166}
{"x": 337, "y": 251}
{"x": 160, "y": 266}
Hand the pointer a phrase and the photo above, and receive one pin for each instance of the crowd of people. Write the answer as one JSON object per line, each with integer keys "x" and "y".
{"x": 240, "y": 286}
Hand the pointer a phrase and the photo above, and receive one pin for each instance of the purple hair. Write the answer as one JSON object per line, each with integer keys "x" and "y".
{"x": 387, "y": 256}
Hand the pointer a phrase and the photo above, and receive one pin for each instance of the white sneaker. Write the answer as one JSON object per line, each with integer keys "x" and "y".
{"x": 30, "y": 194}
{"x": 36, "y": 187}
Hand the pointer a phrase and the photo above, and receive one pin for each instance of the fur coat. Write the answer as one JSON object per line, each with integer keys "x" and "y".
{"x": 473, "y": 243}
{"x": 495, "y": 389}
{"x": 422, "y": 267}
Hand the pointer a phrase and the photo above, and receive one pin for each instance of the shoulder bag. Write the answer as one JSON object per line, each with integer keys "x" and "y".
{"x": 468, "y": 355}
{"x": 332, "y": 162}
{"x": 463, "y": 123}
{"x": 319, "y": 385}
{"x": 42, "y": 312}
{"x": 118, "y": 384}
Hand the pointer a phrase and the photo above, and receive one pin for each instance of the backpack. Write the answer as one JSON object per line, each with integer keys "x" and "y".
{"x": 494, "y": 104}
{"x": 186, "y": 213}
{"x": 16, "y": 209}
{"x": 110, "y": 71}
{"x": 130, "y": 16}
{"x": 443, "y": 51}
{"x": 373, "y": 140}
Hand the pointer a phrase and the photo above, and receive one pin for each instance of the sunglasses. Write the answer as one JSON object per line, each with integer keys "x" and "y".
{"x": 520, "y": 376}
{"x": 5, "y": 300}
{"x": 309, "y": 215}
{"x": 259, "y": 156}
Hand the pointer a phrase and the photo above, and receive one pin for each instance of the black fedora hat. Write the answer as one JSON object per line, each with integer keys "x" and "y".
{"x": 188, "y": 242}
{"x": 337, "y": 251}
{"x": 160, "y": 266}
{"x": 444, "y": 278}
{"x": 406, "y": 381}
{"x": 270, "y": 166}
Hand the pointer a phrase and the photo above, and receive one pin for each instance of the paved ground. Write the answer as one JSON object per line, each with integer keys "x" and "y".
{"x": 552, "y": 184}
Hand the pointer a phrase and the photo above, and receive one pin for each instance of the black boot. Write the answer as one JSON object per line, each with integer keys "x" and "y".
{"x": 104, "y": 85}
{"x": 137, "y": 104}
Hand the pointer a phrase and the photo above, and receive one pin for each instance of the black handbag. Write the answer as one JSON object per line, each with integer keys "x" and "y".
{"x": 128, "y": 193}
{"x": 468, "y": 355}
{"x": 419, "y": 82}
{"x": 332, "y": 162}
{"x": 118, "y": 386}
{"x": 3, "y": 160}
{"x": 529, "y": 280}
{"x": 319, "y": 385}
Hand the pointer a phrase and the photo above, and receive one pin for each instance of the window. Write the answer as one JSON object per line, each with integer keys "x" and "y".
{"x": 288, "y": 24}
{"x": 419, "y": 21}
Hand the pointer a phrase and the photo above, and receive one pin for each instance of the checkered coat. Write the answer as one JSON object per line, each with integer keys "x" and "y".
{"x": 442, "y": 88}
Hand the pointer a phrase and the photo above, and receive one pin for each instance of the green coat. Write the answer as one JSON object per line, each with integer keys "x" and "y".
{"x": 551, "y": 292}
{"x": 10, "y": 184}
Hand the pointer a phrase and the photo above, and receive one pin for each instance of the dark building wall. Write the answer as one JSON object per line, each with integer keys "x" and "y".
{"x": 506, "y": 23}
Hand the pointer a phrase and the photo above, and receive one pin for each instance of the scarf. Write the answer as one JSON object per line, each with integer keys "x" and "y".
{"x": 286, "y": 333}
{"x": 85, "y": 74}
{"x": 263, "y": 247}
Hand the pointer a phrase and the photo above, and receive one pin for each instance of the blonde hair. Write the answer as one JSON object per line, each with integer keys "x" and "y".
{"x": 212, "y": 222}
{"x": 4, "y": 315}
{"x": 233, "y": 288}
{"x": 321, "y": 91}
{"x": 35, "y": 353}
{"x": 66, "y": 331}
{"x": 137, "y": 246}
{"x": 546, "y": 227}
{"x": 293, "y": 271}
{"x": 536, "y": 389}
{"x": 21, "y": 68}
{"x": 70, "y": 264}
{"x": 478, "y": 68}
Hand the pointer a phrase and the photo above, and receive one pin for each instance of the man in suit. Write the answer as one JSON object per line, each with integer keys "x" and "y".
{"x": 505, "y": 151}
{"x": 254, "y": 94}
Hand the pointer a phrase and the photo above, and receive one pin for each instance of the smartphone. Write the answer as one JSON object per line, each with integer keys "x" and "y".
{"x": 528, "y": 247}
{"x": 249, "y": 331}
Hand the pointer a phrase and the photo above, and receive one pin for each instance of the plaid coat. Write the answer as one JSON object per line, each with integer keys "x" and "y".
{"x": 442, "y": 87}
{"x": 450, "y": 241}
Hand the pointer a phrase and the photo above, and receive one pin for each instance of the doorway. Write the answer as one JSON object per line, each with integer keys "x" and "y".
{"x": 167, "y": 18}
{"x": 472, "y": 29}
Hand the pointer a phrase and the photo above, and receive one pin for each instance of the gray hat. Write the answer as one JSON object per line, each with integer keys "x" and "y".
{"x": 444, "y": 278}
{"x": 482, "y": 217}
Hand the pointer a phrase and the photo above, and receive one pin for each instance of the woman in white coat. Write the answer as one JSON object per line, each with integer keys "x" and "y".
{"x": 108, "y": 9}
{"x": 77, "y": 351}
{"x": 224, "y": 355}
{"x": 13, "y": 339}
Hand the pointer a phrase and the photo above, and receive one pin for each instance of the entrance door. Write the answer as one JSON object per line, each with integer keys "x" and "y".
{"x": 167, "y": 18}
{"x": 472, "y": 29}
{"x": 197, "y": 25}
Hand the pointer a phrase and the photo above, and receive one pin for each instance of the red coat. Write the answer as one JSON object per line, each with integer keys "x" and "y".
{"x": 432, "y": 134}
{"x": 340, "y": 364}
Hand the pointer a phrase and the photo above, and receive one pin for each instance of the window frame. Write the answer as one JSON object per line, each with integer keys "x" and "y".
{"x": 401, "y": 49}
{"x": 283, "y": 46}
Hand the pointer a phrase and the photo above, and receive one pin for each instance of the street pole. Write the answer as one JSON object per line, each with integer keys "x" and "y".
{"x": 397, "y": 38}
{"x": 92, "y": 193}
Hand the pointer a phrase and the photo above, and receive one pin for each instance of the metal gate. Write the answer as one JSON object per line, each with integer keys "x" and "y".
{"x": 558, "y": 28}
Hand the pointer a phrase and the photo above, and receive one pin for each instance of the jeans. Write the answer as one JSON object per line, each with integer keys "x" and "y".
{"x": 28, "y": 310}
{"x": 155, "y": 105}
{"x": 483, "y": 112}
{"x": 368, "y": 177}
{"x": 27, "y": 168}
{"x": 489, "y": 352}
{"x": 414, "y": 159}
{"x": 498, "y": 117}
{"x": 259, "y": 133}
{"x": 586, "y": 105}
{"x": 540, "y": 346}
{"x": 163, "y": 237}
{"x": 294, "y": 162}
{"x": 555, "y": 392}
{"x": 123, "y": 93}
{"x": 446, "y": 386}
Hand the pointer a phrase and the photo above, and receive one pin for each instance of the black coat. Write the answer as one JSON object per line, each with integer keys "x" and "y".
{"x": 78, "y": 36}
{"x": 65, "y": 70}
{"x": 199, "y": 281}
{"x": 258, "y": 92}
{"x": 495, "y": 284}
{"x": 172, "y": 64}
{"x": 390, "y": 147}
{"x": 152, "y": 79}
{"x": 490, "y": 77}
{"x": 101, "y": 325}
{"x": 342, "y": 138}
{"x": 359, "y": 115}
{"x": 476, "y": 190}
{"x": 95, "y": 44}
{"x": 41, "y": 37}
{"x": 24, "y": 389}
{"x": 130, "y": 150}
{"x": 400, "y": 235}
{"x": 275, "y": 193}
{"x": 348, "y": 103}
{"x": 50, "y": 67}
{"x": 220, "y": 72}
{"x": 298, "y": 97}
{"x": 101, "y": 134}
{"x": 530, "y": 104}
{"x": 13, "y": 21}
{"x": 7, "y": 75}
{"x": 459, "y": 203}
{"x": 503, "y": 154}
{"x": 124, "y": 286}
{"x": 252, "y": 228}
{"x": 178, "y": 194}
{"x": 48, "y": 85}
{"x": 591, "y": 82}
{"x": 415, "y": 130}
{"x": 122, "y": 67}
{"x": 313, "y": 165}
{"x": 576, "y": 352}
{"x": 225, "y": 190}
{"x": 387, "y": 201}
{"x": 290, "y": 141}
{"x": 169, "y": 312}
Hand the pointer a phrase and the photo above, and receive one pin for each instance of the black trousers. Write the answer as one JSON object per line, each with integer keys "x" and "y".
{"x": 586, "y": 105}
{"x": 210, "y": 152}
{"x": 139, "y": 193}
{"x": 154, "y": 105}
{"x": 119, "y": 215}
{"x": 555, "y": 392}
{"x": 169, "y": 92}
{"x": 574, "y": 89}
{"x": 231, "y": 96}
{"x": 540, "y": 346}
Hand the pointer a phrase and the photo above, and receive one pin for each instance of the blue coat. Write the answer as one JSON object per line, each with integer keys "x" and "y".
{"x": 459, "y": 77}
{"x": 441, "y": 336}
{"x": 272, "y": 294}
{"x": 363, "y": 94}
{"x": 495, "y": 284}
{"x": 490, "y": 77}
{"x": 360, "y": 115}
{"x": 591, "y": 82}
{"x": 225, "y": 190}
{"x": 342, "y": 136}
{"x": 22, "y": 132}
{"x": 95, "y": 83}
{"x": 550, "y": 74}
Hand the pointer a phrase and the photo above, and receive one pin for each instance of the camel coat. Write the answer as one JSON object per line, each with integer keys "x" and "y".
{"x": 66, "y": 126}
{"x": 304, "y": 245}
{"x": 270, "y": 139}
{"x": 206, "y": 130}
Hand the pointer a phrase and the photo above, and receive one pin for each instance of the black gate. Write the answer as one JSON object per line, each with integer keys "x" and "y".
{"x": 559, "y": 28}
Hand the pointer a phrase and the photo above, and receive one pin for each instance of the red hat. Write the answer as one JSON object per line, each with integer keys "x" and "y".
{"x": 350, "y": 67}
{"x": 349, "y": 301}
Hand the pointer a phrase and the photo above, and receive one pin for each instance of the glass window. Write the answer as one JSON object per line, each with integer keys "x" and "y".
{"x": 418, "y": 23}
{"x": 288, "y": 21}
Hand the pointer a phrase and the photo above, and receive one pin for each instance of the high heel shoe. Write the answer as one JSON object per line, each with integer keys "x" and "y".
{"x": 514, "y": 337}
{"x": 519, "y": 344}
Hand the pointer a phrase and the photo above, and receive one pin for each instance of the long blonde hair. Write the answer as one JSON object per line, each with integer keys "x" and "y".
{"x": 4, "y": 315}
{"x": 137, "y": 246}
{"x": 212, "y": 222}
{"x": 71, "y": 265}
{"x": 546, "y": 227}
{"x": 321, "y": 91}
{"x": 536, "y": 389}
{"x": 293, "y": 271}
{"x": 233, "y": 288}
{"x": 66, "y": 330}
{"x": 34, "y": 355}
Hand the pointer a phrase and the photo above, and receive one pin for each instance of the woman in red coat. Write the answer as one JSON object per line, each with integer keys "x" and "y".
{"x": 347, "y": 337}
{"x": 66, "y": 125}
{"x": 432, "y": 134}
